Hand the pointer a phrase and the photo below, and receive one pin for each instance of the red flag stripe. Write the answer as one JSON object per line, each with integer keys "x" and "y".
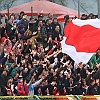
{"x": 84, "y": 38}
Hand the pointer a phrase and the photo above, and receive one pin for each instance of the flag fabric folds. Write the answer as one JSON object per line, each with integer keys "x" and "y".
{"x": 82, "y": 39}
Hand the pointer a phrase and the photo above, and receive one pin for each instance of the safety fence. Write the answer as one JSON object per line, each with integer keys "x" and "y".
{"x": 68, "y": 97}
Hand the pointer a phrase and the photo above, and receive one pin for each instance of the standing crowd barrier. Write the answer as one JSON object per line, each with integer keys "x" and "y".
{"x": 67, "y": 97}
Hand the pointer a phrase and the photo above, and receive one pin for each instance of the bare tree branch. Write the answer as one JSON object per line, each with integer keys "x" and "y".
{"x": 6, "y": 3}
{"x": 62, "y": 2}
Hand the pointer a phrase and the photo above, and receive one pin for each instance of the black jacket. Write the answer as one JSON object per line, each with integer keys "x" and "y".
{"x": 49, "y": 29}
{"x": 2, "y": 30}
{"x": 69, "y": 89}
{"x": 9, "y": 30}
{"x": 32, "y": 27}
{"x": 54, "y": 25}
{"x": 97, "y": 75}
{"x": 24, "y": 22}
{"x": 55, "y": 34}
{"x": 93, "y": 89}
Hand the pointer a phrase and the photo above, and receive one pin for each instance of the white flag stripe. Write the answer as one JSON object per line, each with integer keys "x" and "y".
{"x": 76, "y": 56}
{"x": 92, "y": 22}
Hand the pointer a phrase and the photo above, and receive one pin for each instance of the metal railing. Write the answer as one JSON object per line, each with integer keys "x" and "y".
{"x": 37, "y": 98}
{"x": 67, "y": 97}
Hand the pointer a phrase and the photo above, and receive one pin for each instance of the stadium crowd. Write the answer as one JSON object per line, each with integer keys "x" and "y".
{"x": 32, "y": 62}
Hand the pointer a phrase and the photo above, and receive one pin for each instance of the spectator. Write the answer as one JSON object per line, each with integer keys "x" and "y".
{"x": 22, "y": 87}
{"x": 1, "y": 15}
{"x": 55, "y": 23}
{"x": 84, "y": 87}
{"x": 24, "y": 21}
{"x": 32, "y": 62}
{"x": 56, "y": 33}
{"x": 21, "y": 15}
{"x": 9, "y": 28}
{"x": 40, "y": 18}
{"x": 21, "y": 30}
{"x": 15, "y": 82}
{"x": 66, "y": 18}
{"x": 7, "y": 91}
{"x": 13, "y": 40}
{"x": 50, "y": 16}
{"x": 95, "y": 59}
{"x": 43, "y": 31}
{"x": 83, "y": 17}
{"x": 70, "y": 85}
{"x": 16, "y": 18}
{"x": 32, "y": 25}
{"x": 49, "y": 27}
{"x": 93, "y": 87}
{"x": 2, "y": 31}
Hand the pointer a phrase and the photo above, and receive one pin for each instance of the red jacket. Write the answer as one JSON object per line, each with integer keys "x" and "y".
{"x": 22, "y": 89}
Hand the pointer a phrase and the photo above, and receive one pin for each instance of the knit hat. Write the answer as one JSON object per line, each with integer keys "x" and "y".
{"x": 3, "y": 39}
{"x": 21, "y": 26}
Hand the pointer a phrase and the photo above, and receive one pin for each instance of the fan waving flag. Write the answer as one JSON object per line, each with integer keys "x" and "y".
{"x": 82, "y": 39}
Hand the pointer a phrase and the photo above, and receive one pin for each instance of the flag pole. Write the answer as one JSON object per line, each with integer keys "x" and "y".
{"x": 78, "y": 9}
{"x": 8, "y": 11}
{"x": 32, "y": 12}
{"x": 99, "y": 9}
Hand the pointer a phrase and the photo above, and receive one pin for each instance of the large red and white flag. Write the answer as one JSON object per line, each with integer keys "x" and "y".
{"x": 82, "y": 39}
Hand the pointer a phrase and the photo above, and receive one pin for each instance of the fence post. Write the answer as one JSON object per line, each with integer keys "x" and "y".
{"x": 36, "y": 97}
{"x": 77, "y": 97}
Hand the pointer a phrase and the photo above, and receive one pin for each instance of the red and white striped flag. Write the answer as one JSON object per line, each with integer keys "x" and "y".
{"x": 82, "y": 39}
